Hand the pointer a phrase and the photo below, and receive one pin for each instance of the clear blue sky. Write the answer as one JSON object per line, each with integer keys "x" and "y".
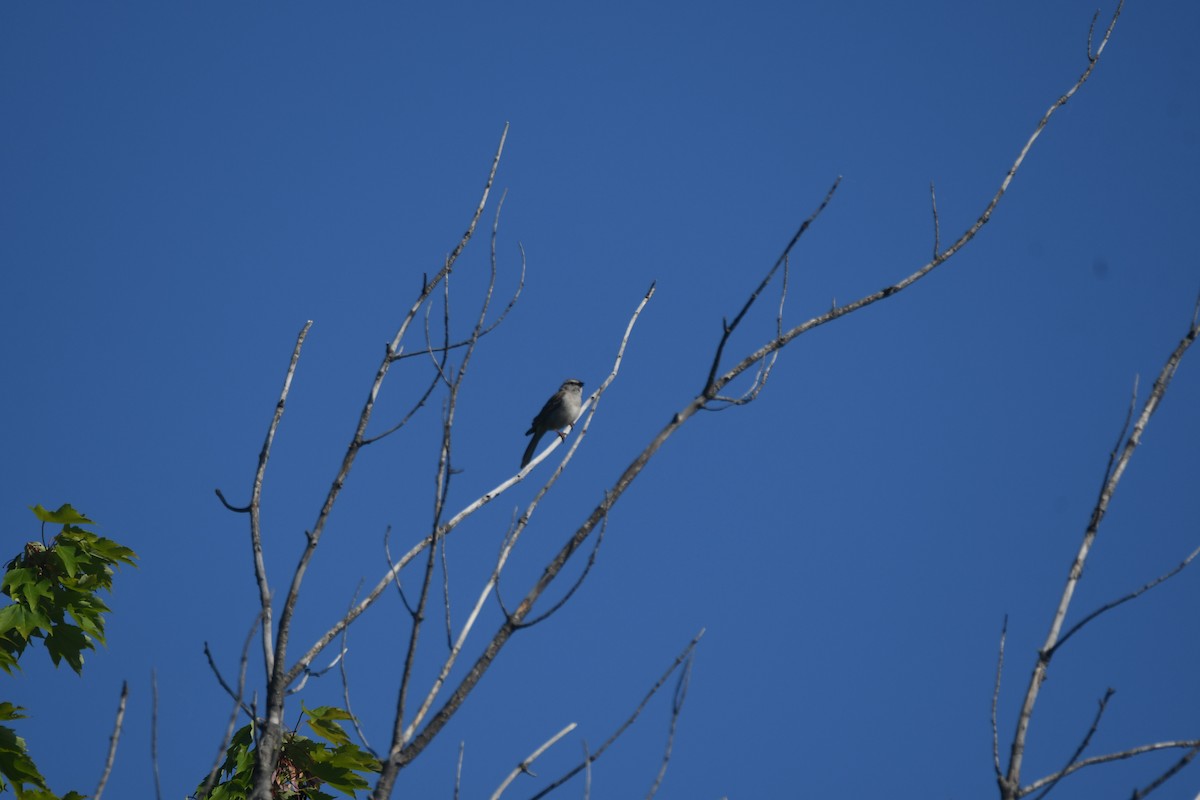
{"x": 184, "y": 184}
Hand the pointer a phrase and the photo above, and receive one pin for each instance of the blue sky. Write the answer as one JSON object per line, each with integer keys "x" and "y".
{"x": 184, "y": 185}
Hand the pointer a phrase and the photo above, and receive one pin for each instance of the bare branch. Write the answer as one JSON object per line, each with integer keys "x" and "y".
{"x": 260, "y": 567}
{"x": 394, "y": 568}
{"x": 715, "y": 384}
{"x": 1131, "y": 596}
{"x": 268, "y": 749}
{"x": 113, "y": 738}
{"x": 346, "y": 684}
{"x": 1109, "y": 758}
{"x": 681, "y": 688}
{"x": 684, "y": 656}
{"x": 212, "y": 664}
{"x": 1011, "y": 783}
{"x": 996, "y": 700}
{"x": 729, "y": 327}
{"x": 458, "y": 770}
{"x": 567, "y": 596}
{"x": 524, "y": 765}
{"x": 937, "y": 228}
{"x": 1167, "y": 774}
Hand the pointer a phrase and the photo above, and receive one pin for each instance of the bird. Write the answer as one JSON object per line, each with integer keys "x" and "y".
{"x": 559, "y": 412}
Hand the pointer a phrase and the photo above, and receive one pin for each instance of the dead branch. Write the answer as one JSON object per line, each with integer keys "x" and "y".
{"x": 1109, "y": 758}
{"x": 684, "y": 656}
{"x": 1010, "y": 785}
{"x": 113, "y": 738}
{"x": 268, "y": 749}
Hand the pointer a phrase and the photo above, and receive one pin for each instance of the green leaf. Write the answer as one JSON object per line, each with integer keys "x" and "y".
{"x": 8, "y": 711}
{"x": 321, "y": 720}
{"x": 65, "y": 515}
{"x": 22, "y": 621}
{"x": 66, "y": 642}
{"x": 16, "y": 767}
{"x": 68, "y": 557}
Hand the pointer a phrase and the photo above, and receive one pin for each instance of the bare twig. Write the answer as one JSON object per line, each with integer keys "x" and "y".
{"x": 683, "y": 657}
{"x": 1087, "y": 738}
{"x": 523, "y": 767}
{"x": 937, "y": 227}
{"x": 1167, "y": 774}
{"x": 1108, "y": 759}
{"x": 721, "y": 402}
{"x": 996, "y": 700}
{"x": 238, "y": 705}
{"x": 727, "y": 328}
{"x": 362, "y": 737}
{"x": 1131, "y": 596}
{"x": 529, "y": 623}
{"x": 681, "y": 688}
{"x": 462, "y": 746}
{"x": 113, "y": 738}
{"x": 587, "y": 772}
{"x": 212, "y": 664}
{"x": 235, "y": 509}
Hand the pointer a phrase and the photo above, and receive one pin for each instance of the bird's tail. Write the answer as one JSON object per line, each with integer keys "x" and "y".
{"x": 533, "y": 443}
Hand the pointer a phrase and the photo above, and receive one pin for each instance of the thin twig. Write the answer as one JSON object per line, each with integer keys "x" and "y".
{"x": 1087, "y": 738}
{"x": 677, "y": 701}
{"x": 1108, "y": 759}
{"x": 1167, "y": 774}
{"x": 1131, "y": 596}
{"x": 684, "y": 656}
{"x": 523, "y": 767}
{"x": 937, "y": 227}
{"x": 996, "y": 699}
{"x": 591, "y": 562}
{"x": 113, "y": 738}
{"x": 727, "y": 328}
{"x": 458, "y": 769}
{"x": 212, "y": 664}
{"x": 238, "y": 705}
{"x": 362, "y": 737}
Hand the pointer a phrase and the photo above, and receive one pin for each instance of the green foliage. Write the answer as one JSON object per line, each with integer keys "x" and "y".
{"x": 305, "y": 765}
{"x": 16, "y": 767}
{"x": 54, "y": 591}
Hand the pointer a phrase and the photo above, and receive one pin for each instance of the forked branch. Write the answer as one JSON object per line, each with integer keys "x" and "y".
{"x": 1011, "y": 784}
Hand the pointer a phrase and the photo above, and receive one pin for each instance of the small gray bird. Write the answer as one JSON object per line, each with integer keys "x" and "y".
{"x": 559, "y": 412}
